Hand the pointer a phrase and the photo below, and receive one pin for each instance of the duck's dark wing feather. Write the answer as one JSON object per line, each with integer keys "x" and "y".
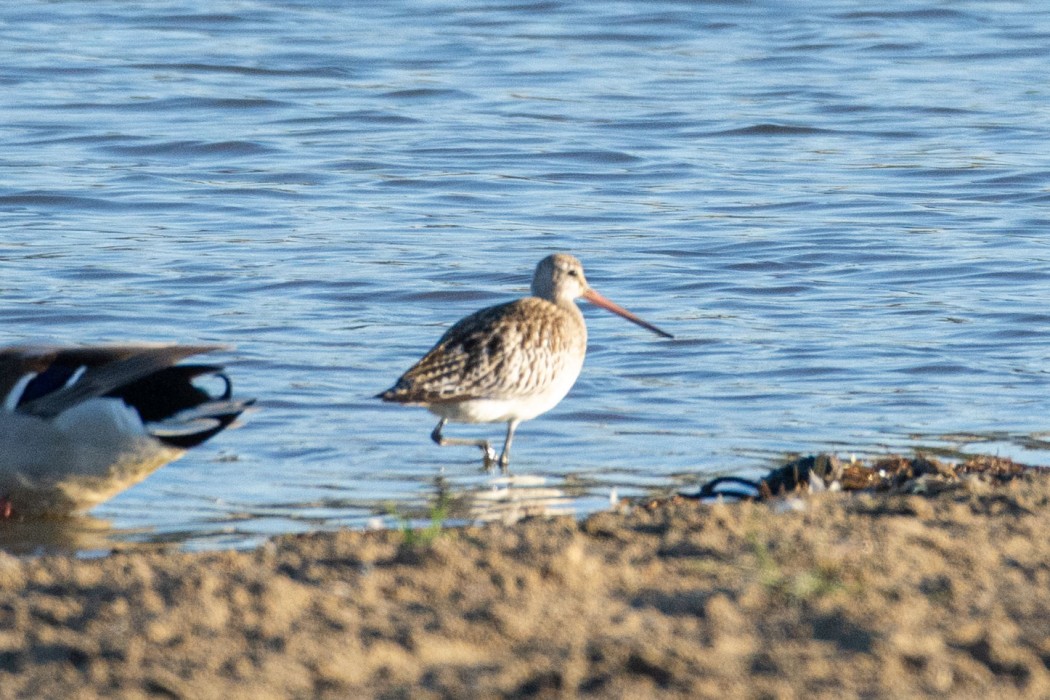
{"x": 104, "y": 370}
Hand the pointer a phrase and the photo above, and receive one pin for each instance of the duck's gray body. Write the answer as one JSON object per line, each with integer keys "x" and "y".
{"x": 80, "y": 424}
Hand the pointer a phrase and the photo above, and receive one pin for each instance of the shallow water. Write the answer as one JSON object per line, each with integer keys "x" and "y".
{"x": 841, "y": 214}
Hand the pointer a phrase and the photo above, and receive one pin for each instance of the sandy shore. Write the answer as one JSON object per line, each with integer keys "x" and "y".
{"x": 829, "y": 595}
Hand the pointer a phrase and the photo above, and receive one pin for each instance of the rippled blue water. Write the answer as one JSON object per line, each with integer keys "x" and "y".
{"x": 841, "y": 212}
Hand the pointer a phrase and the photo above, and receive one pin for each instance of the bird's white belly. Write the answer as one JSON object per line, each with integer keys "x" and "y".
{"x": 78, "y": 459}
{"x": 502, "y": 410}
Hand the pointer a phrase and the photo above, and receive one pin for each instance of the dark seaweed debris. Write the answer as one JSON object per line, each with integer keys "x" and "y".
{"x": 893, "y": 474}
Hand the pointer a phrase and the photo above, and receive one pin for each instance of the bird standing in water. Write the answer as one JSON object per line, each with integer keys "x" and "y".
{"x": 510, "y": 362}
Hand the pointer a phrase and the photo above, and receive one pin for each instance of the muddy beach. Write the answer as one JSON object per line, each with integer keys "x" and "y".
{"x": 936, "y": 583}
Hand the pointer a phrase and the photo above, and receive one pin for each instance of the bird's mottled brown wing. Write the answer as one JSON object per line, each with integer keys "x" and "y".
{"x": 503, "y": 351}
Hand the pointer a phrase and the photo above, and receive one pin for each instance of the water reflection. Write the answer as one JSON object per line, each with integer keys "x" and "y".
{"x": 85, "y": 535}
{"x": 1032, "y": 448}
{"x": 330, "y": 196}
{"x": 509, "y": 499}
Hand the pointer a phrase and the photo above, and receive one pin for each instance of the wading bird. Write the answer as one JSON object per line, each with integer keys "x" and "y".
{"x": 511, "y": 362}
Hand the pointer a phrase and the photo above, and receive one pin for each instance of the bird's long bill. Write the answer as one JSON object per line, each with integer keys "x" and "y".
{"x": 598, "y": 300}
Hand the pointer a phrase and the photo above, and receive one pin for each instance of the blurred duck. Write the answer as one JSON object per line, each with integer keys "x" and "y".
{"x": 80, "y": 424}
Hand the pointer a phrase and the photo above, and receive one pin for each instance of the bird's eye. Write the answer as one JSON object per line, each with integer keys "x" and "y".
{"x": 573, "y": 273}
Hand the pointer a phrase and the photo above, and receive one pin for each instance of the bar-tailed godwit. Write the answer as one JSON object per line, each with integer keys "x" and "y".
{"x": 80, "y": 424}
{"x": 511, "y": 362}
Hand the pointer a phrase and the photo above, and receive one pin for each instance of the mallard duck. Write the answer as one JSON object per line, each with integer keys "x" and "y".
{"x": 80, "y": 424}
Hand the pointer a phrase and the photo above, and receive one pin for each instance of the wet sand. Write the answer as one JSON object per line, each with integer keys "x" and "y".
{"x": 896, "y": 594}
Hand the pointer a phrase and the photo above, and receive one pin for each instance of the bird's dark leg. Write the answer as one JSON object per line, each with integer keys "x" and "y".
{"x": 504, "y": 459}
{"x": 486, "y": 448}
